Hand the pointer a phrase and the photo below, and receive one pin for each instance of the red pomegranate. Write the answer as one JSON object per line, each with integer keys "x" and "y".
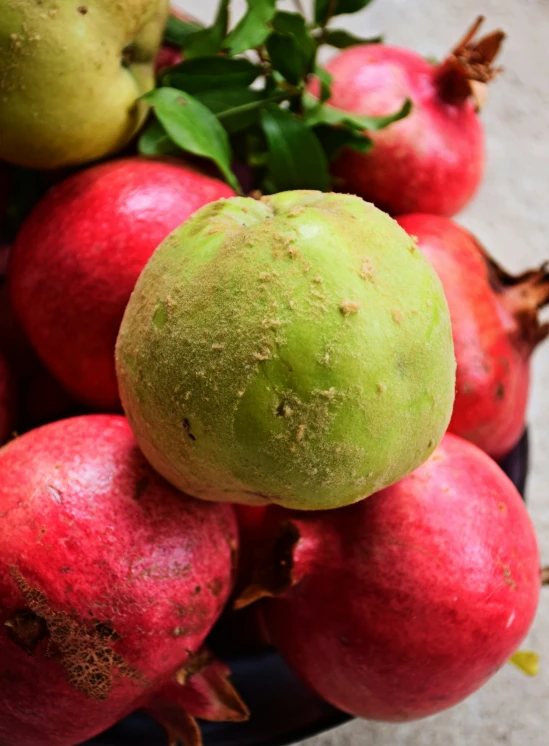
{"x": 433, "y": 160}
{"x": 402, "y": 605}
{"x": 110, "y": 580}
{"x": 78, "y": 257}
{"x": 495, "y": 327}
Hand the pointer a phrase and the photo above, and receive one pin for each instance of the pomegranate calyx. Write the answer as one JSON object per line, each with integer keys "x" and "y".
{"x": 274, "y": 571}
{"x": 468, "y": 68}
{"x": 206, "y": 692}
{"x": 180, "y": 728}
{"x": 523, "y": 296}
{"x": 201, "y": 689}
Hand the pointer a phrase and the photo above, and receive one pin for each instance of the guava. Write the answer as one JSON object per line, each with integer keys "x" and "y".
{"x": 294, "y": 350}
{"x": 72, "y": 75}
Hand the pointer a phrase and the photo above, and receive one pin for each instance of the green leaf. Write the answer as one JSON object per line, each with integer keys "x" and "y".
{"x": 193, "y": 127}
{"x": 333, "y": 139}
{"x": 209, "y": 41}
{"x": 316, "y": 113}
{"x": 296, "y": 157}
{"x": 253, "y": 29}
{"x": 236, "y": 108}
{"x": 325, "y": 9}
{"x": 343, "y": 39}
{"x": 155, "y": 141}
{"x": 526, "y": 661}
{"x": 204, "y": 73}
{"x": 291, "y": 46}
{"x": 177, "y": 31}
{"x": 325, "y": 83}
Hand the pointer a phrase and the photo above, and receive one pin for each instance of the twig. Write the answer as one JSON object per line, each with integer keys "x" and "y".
{"x": 299, "y": 5}
{"x": 545, "y": 576}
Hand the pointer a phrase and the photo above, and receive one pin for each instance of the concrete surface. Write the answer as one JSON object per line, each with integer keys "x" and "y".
{"x": 510, "y": 217}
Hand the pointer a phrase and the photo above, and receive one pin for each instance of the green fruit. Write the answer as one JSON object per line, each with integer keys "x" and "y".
{"x": 71, "y": 74}
{"x": 295, "y": 350}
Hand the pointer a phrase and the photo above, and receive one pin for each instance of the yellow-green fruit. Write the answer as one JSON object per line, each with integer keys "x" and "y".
{"x": 71, "y": 74}
{"x": 295, "y": 350}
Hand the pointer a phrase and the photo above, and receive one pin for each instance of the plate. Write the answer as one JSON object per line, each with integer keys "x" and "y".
{"x": 283, "y": 709}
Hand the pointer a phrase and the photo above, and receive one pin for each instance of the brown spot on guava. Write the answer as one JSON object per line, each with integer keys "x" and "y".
{"x": 348, "y": 307}
{"x": 187, "y": 428}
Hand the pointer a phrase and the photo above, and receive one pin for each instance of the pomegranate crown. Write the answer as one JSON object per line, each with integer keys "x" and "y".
{"x": 468, "y": 68}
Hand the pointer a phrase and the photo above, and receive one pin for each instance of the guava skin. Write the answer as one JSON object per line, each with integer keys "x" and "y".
{"x": 72, "y": 75}
{"x": 294, "y": 350}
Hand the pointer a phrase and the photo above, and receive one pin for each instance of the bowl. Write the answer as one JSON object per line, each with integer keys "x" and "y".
{"x": 283, "y": 709}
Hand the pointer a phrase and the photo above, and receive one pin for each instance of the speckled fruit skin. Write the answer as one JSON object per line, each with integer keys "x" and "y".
{"x": 495, "y": 328}
{"x": 294, "y": 350}
{"x": 7, "y": 399}
{"x": 72, "y": 77}
{"x": 78, "y": 257}
{"x": 406, "y": 603}
{"x": 431, "y": 161}
{"x": 109, "y": 580}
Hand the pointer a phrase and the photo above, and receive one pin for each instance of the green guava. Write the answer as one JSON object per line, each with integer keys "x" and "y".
{"x": 294, "y": 350}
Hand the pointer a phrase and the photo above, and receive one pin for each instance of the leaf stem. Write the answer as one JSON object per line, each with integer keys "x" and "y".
{"x": 329, "y": 15}
{"x": 257, "y": 104}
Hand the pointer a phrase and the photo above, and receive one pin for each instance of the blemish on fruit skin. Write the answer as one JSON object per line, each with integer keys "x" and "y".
{"x": 348, "y": 307}
{"x": 502, "y": 507}
{"x": 500, "y": 391}
{"x": 87, "y": 656}
{"x": 160, "y": 317}
{"x": 366, "y": 269}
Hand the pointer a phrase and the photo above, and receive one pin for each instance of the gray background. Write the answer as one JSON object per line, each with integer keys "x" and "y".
{"x": 509, "y": 216}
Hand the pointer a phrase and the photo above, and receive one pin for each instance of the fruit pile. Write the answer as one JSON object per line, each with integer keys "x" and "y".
{"x": 252, "y": 256}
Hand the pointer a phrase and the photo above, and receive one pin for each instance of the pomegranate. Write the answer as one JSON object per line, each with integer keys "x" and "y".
{"x": 433, "y": 160}
{"x": 404, "y": 604}
{"x": 495, "y": 327}
{"x": 109, "y": 582}
{"x": 78, "y": 257}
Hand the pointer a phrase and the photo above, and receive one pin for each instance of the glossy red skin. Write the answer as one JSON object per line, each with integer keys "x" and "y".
{"x": 431, "y": 161}
{"x": 7, "y": 399}
{"x": 79, "y": 254}
{"x": 88, "y": 524}
{"x": 408, "y": 601}
{"x": 493, "y": 368}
